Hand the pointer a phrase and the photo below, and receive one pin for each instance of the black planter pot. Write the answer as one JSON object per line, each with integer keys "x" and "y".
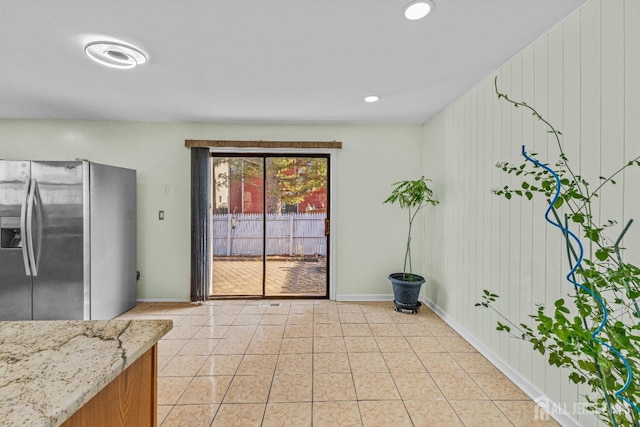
{"x": 406, "y": 290}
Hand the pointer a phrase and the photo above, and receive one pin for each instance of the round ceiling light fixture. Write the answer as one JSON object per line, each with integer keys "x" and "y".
{"x": 114, "y": 54}
{"x": 418, "y": 9}
{"x": 372, "y": 98}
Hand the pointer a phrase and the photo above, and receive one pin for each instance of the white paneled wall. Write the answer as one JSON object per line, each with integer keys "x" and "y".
{"x": 584, "y": 77}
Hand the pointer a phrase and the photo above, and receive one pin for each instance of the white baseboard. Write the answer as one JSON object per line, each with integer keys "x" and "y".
{"x": 161, "y": 300}
{"x": 365, "y": 297}
{"x": 523, "y": 383}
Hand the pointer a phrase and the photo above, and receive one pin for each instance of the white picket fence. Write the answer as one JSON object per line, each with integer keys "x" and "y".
{"x": 287, "y": 234}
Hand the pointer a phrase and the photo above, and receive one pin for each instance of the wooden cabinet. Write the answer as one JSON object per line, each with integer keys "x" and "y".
{"x": 129, "y": 400}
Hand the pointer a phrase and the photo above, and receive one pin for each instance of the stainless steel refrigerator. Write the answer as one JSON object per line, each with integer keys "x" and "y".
{"x": 67, "y": 240}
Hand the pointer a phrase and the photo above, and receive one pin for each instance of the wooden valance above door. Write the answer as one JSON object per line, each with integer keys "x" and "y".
{"x": 308, "y": 145}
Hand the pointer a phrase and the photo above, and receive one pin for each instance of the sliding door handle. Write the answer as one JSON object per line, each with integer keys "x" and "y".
{"x": 326, "y": 226}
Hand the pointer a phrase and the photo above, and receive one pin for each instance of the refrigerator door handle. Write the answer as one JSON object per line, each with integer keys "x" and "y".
{"x": 30, "y": 207}
{"x": 23, "y": 229}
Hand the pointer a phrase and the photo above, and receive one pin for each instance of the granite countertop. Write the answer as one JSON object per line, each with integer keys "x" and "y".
{"x": 49, "y": 369}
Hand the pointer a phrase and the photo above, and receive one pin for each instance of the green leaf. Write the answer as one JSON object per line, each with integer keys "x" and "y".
{"x": 633, "y": 294}
{"x": 554, "y": 359}
{"x": 558, "y": 203}
{"x": 528, "y": 194}
{"x": 525, "y": 185}
{"x": 593, "y": 234}
{"x": 508, "y": 196}
{"x": 578, "y": 218}
{"x": 576, "y": 378}
{"x": 602, "y": 254}
{"x": 503, "y": 327}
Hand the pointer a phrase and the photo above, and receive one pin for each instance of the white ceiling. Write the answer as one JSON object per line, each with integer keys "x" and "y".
{"x": 258, "y": 60}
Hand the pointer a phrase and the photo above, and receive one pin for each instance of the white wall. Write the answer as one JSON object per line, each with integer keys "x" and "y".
{"x": 584, "y": 77}
{"x": 369, "y": 236}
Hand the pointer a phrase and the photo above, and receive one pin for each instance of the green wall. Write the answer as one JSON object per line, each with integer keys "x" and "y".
{"x": 368, "y": 236}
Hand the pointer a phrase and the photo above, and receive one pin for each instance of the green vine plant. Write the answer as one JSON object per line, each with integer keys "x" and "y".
{"x": 563, "y": 333}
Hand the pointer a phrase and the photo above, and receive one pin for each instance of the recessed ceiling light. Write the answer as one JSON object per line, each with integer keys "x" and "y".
{"x": 418, "y": 9}
{"x": 372, "y": 98}
{"x": 115, "y": 55}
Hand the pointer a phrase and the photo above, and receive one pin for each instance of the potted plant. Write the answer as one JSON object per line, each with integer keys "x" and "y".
{"x": 412, "y": 195}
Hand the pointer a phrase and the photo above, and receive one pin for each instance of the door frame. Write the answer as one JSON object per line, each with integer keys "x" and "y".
{"x": 300, "y": 152}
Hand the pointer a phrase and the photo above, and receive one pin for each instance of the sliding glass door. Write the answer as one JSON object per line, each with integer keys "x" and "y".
{"x": 270, "y": 225}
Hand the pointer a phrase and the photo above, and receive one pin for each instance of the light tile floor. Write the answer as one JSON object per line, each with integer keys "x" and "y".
{"x": 324, "y": 363}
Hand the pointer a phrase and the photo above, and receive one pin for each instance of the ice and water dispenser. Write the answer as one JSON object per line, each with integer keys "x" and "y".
{"x": 10, "y": 236}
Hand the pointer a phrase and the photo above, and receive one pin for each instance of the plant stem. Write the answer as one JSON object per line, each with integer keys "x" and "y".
{"x": 610, "y": 178}
{"x": 537, "y": 115}
{"x": 508, "y": 321}
{"x": 617, "y": 250}
{"x": 407, "y": 253}
{"x": 571, "y": 251}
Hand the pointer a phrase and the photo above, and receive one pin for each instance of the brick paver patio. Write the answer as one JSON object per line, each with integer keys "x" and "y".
{"x": 284, "y": 277}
